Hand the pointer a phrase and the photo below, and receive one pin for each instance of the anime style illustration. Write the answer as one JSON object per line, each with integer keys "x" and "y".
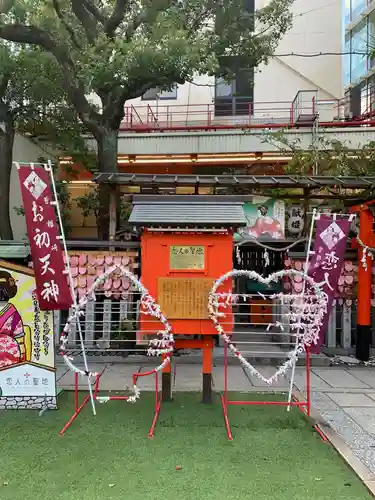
{"x": 265, "y": 224}
{"x": 15, "y": 337}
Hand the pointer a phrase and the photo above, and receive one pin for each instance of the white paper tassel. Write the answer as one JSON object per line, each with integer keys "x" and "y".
{"x": 164, "y": 344}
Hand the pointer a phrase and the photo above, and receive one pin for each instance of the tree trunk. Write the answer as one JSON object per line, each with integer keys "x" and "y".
{"x": 6, "y": 155}
{"x": 107, "y": 163}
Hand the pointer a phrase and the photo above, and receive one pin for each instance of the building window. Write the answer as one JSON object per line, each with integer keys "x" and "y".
{"x": 371, "y": 39}
{"x": 347, "y": 60}
{"x": 358, "y": 6}
{"x": 359, "y": 58}
{"x": 347, "y": 11}
{"x": 156, "y": 94}
{"x": 235, "y": 97}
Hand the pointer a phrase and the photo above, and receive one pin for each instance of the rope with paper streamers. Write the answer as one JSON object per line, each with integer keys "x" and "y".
{"x": 307, "y": 313}
{"x": 266, "y": 248}
{"x": 366, "y": 252}
{"x": 162, "y": 345}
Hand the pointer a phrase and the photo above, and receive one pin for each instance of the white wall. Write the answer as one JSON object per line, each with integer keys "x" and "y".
{"x": 24, "y": 150}
{"x": 316, "y": 28}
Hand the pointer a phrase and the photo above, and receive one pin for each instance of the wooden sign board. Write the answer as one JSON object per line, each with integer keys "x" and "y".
{"x": 184, "y": 298}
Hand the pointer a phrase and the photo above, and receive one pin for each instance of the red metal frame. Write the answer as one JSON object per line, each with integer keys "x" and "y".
{"x": 304, "y": 406}
{"x": 78, "y": 408}
{"x": 260, "y": 115}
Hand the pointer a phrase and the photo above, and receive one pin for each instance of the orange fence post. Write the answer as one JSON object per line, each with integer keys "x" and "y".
{"x": 363, "y": 343}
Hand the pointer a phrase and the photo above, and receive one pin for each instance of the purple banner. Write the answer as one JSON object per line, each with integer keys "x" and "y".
{"x": 327, "y": 262}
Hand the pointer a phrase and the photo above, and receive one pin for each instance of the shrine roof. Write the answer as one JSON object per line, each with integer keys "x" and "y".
{"x": 186, "y": 211}
{"x": 256, "y": 181}
{"x": 14, "y": 250}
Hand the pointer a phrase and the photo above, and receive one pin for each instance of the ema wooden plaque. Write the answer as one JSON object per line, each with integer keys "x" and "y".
{"x": 184, "y": 298}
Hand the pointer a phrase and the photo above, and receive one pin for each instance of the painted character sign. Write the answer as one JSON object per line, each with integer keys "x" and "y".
{"x": 27, "y": 358}
{"x": 12, "y": 329}
{"x": 265, "y": 224}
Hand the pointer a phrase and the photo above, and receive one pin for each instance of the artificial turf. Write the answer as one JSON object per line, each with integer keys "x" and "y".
{"x": 274, "y": 455}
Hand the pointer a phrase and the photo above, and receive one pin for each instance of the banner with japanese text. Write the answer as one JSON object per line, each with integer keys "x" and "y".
{"x": 327, "y": 261}
{"x": 53, "y": 290}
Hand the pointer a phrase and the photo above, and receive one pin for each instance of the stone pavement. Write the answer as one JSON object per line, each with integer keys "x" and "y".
{"x": 344, "y": 396}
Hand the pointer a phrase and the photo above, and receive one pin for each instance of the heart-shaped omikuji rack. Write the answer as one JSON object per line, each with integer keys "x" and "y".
{"x": 163, "y": 344}
{"x": 305, "y": 314}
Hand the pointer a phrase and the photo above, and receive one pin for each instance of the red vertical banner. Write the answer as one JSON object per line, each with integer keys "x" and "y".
{"x": 325, "y": 267}
{"x": 53, "y": 290}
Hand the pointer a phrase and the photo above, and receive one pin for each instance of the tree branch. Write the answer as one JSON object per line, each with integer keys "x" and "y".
{"x": 94, "y": 11}
{"x": 64, "y": 22}
{"x": 4, "y": 81}
{"x": 88, "y": 23}
{"x": 117, "y": 16}
{"x": 36, "y": 36}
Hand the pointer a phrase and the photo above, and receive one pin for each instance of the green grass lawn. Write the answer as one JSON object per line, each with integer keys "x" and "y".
{"x": 274, "y": 455}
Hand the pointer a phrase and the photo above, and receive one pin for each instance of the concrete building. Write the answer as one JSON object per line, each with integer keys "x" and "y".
{"x": 317, "y": 28}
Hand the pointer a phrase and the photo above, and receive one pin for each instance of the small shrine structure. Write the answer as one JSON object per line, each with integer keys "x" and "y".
{"x": 186, "y": 244}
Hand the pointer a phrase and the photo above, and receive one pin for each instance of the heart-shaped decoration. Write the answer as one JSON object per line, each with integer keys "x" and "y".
{"x": 163, "y": 344}
{"x": 305, "y": 314}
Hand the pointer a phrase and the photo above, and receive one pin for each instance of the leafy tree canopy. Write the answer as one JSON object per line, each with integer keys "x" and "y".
{"x": 116, "y": 50}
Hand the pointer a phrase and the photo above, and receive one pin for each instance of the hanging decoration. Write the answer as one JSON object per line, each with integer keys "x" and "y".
{"x": 266, "y": 247}
{"x": 366, "y": 252}
{"x": 238, "y": 255}
{"x": 266, "y": 258}
{"x": 306, "y": 314}
{"x": 162, "y": 345}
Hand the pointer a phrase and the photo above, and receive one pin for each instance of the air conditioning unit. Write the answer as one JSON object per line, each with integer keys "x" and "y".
{"x": 352, "y": 103}
{"x": 348, "y": 114}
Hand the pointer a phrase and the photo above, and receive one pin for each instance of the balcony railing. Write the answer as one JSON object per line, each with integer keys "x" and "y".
{"x": 283, "y": 114}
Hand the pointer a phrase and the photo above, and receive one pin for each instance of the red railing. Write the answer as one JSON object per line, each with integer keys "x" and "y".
{"x": 237, "y": 115}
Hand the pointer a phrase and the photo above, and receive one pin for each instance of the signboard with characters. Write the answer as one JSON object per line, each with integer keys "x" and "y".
{"x": 27, "y": 359}
{"x": 265, "y": 219}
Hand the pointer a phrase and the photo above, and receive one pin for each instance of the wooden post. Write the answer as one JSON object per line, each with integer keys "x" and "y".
{"x": 112, "y": 217}
{"x": 363, "y": 343}
{"x": 207, "y": 371}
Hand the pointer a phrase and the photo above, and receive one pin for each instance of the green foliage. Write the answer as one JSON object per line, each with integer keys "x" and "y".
{"x": 89, "y": 204}
{"x": 116, "y": 50}
{"x": 324, "y": 156}
{"x": 33, "y": 102}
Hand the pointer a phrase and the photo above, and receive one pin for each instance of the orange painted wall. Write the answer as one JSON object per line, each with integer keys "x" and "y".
{"x": 155, "y": 264}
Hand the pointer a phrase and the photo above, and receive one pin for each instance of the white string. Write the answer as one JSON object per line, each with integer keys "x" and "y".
{"x": 163, "y": 344}
{"x": 312, "y": 307}
{"x": 48, "y": 167}
{"x": 306, "y": 267}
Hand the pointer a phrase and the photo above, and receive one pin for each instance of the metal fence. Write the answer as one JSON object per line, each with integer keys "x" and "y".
{"x": 111, "y": 327}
